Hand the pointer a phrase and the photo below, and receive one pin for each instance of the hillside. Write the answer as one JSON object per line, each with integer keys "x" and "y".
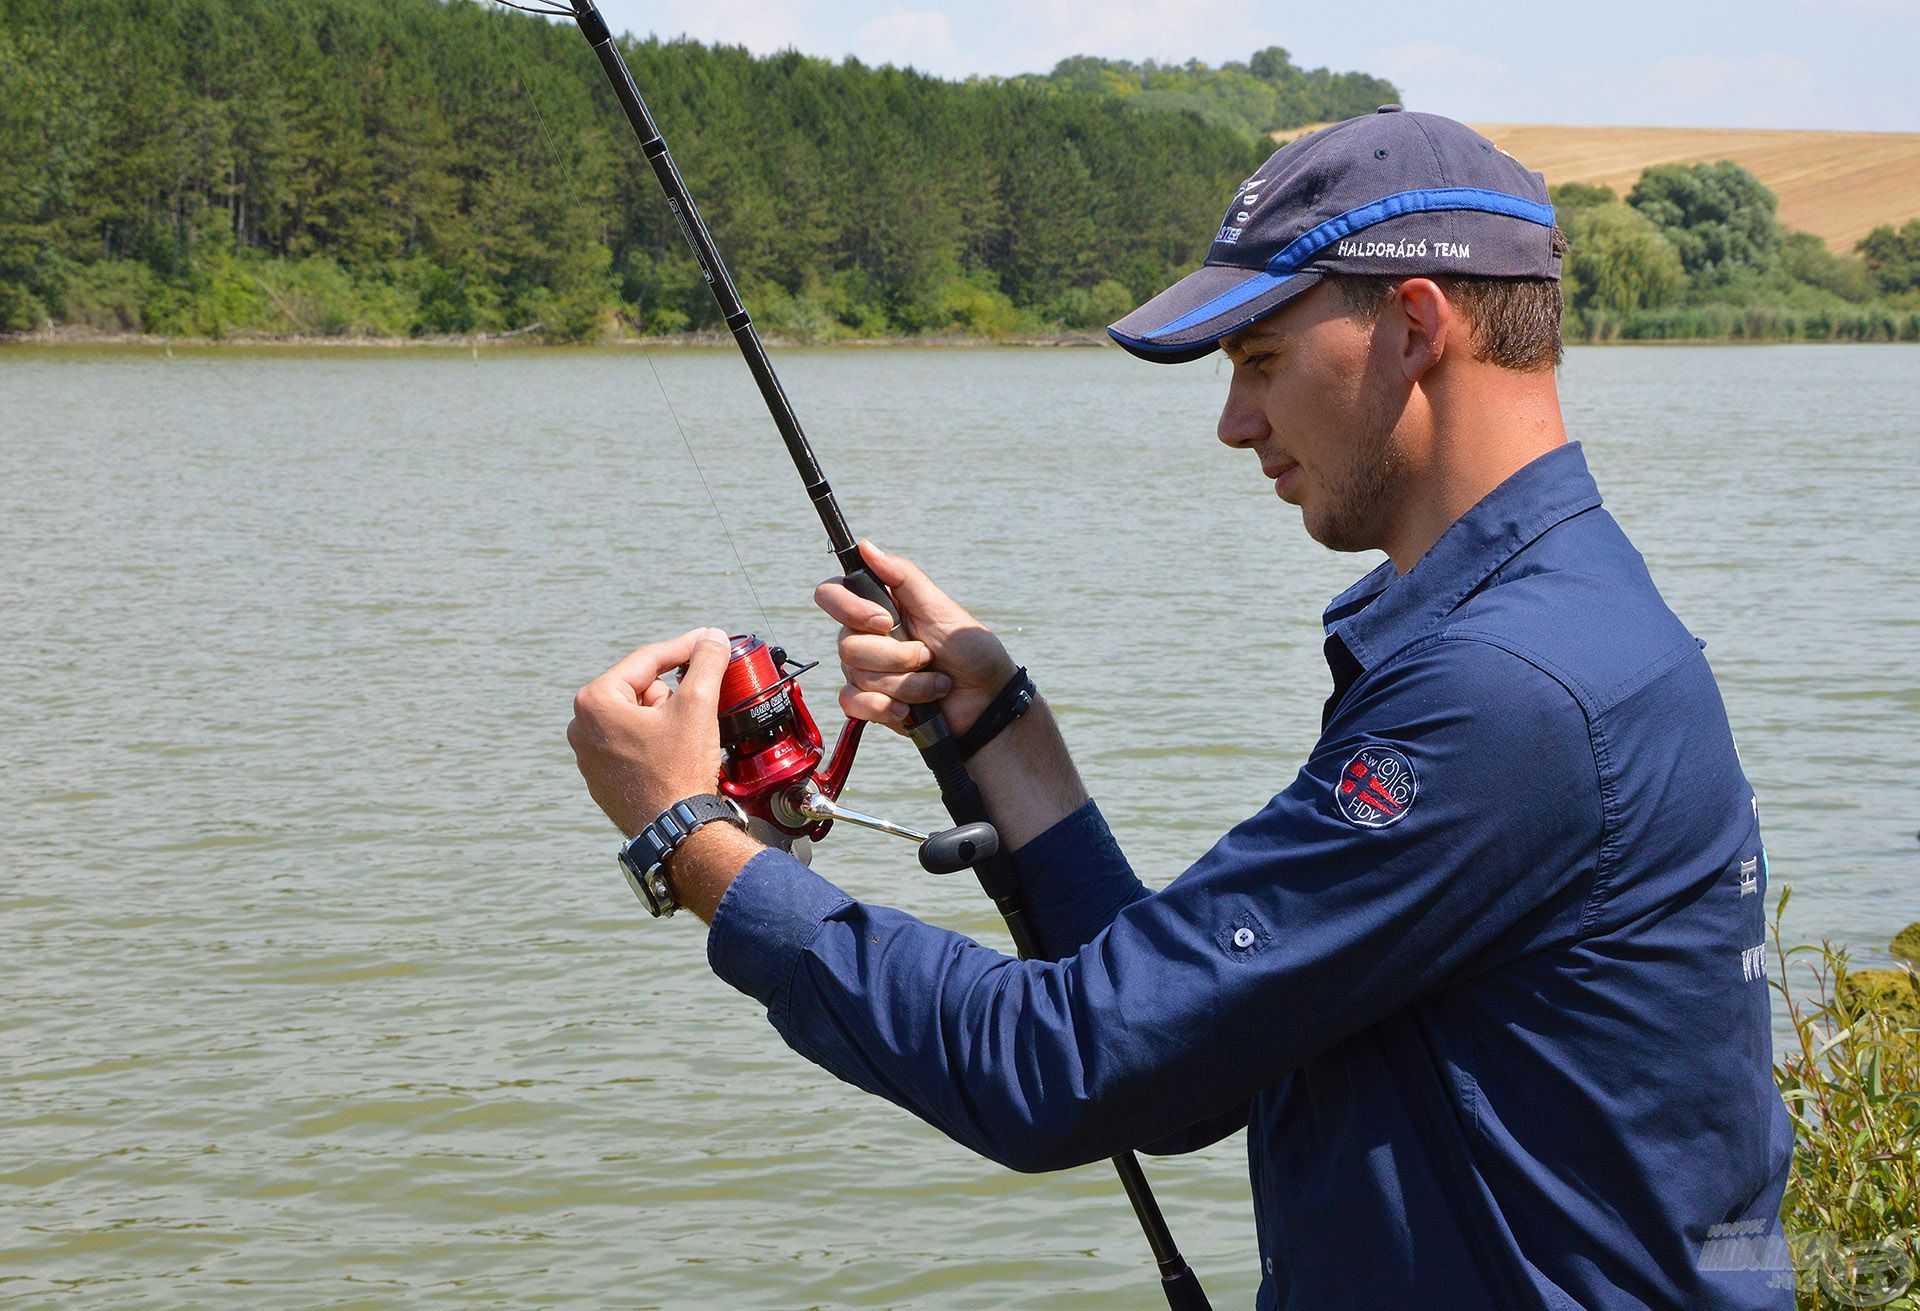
{"x": 1836, "y": 185}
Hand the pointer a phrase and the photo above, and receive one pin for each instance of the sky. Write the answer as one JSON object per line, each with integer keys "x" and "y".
{"x": 1835, "y": 64}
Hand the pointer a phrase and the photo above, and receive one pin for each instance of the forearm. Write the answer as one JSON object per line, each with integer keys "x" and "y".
{"x": 706, "y": 864}
{"x": 1027, "y": 777}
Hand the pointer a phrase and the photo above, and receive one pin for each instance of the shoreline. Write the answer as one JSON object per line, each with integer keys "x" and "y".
{"x": 520, "y": 341}
{"x": 64, "y": 338}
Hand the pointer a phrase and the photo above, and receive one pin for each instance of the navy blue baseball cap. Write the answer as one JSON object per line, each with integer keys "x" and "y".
{"x": 1405, "y": 195}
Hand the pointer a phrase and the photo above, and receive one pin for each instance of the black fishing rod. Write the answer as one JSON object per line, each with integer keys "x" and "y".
{"x": 927, "y": 727}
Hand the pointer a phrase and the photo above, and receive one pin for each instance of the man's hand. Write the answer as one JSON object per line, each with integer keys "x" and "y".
{"x": 642, "y": 745}
{"x": 953, "y": 658}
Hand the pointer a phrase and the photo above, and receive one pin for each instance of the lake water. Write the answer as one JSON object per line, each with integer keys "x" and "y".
{"x": 320, "y": 988}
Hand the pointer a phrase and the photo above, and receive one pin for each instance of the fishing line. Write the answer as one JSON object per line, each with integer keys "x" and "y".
{"x": 927, "y": 726}
{"x": 744, "y": 571}
{"x": 566, "y": 169}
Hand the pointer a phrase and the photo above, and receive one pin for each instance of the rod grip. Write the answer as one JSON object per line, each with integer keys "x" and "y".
{"x": 864, "y": 585}
{"x": 1183, "y": 1290}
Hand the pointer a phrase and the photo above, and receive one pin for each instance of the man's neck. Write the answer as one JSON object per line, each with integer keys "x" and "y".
{"x": 1475, "y": 436}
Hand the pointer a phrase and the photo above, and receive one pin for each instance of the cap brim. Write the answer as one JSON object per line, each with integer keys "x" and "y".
{"x": 1188, "y": 319}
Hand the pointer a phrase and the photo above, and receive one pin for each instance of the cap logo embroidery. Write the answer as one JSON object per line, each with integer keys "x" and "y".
{"x": 1376, "y": 788}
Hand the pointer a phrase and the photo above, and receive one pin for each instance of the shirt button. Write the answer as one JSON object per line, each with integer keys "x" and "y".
{"x": 1243, "y": 938}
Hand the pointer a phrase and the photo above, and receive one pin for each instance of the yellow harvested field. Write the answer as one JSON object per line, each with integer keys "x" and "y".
{"x": 1838, "y": 185}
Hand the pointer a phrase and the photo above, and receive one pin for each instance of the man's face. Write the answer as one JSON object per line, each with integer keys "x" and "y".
{"x": 1318, "y": 403}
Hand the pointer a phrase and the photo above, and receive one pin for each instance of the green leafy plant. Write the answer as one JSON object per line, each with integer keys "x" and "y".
{"x": 1852, "y": 1084}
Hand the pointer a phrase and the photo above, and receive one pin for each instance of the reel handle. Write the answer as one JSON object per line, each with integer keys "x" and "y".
{"x": 951, "y": 850}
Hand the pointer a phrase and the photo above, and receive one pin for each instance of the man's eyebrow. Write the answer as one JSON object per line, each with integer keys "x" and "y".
{"x": 1266, "y": 336}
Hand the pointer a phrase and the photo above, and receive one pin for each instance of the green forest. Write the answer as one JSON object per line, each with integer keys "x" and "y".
{"x": 408, "y": 167}
{"x": 420, "y": 168}
{"x": 1265, "y": 94}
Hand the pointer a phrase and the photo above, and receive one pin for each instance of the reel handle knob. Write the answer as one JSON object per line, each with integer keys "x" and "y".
{"x": 952, "y": 850}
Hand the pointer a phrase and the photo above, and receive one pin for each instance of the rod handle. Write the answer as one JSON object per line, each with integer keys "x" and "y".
{"x": 1183, "y": 1290}
{"x": 864, "y": 585}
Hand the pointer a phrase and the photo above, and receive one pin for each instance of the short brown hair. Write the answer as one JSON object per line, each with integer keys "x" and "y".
{"x": 1516, "y": 321}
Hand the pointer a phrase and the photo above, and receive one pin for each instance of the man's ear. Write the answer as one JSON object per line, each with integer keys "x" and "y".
{"x": 1427, "y": 322}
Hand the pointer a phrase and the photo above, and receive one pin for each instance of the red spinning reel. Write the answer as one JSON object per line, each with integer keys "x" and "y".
{"x": 772, "y": 762}
{"x": 772, "y": 744}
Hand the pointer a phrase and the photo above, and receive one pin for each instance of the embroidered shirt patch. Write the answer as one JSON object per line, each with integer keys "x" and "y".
{"x": 1376, "y": 788}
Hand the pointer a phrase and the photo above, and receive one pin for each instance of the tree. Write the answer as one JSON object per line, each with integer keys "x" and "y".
{"x": 50, "y": 125}
{"x": 1618, "y": 261}
{"x": 448, "y": 166}
{"x": 1806, "y": 258}
{"x": 1570, "y": 196}
{"x": 1720, "y": 217}
{"x": 1893, "y": 257}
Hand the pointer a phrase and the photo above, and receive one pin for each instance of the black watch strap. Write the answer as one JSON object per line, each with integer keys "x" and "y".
{"x": 644, "y": 859}
{"x": 1008, "y": 704}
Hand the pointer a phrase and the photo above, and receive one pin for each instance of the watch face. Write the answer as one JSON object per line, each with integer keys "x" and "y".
{"x": 651, "y": 889}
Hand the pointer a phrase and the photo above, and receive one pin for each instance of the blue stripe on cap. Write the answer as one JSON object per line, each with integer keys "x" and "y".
{"x": 1310, "y": 243}
{"x": 1435, "y": 200}
{"x": 1257, "y": 284}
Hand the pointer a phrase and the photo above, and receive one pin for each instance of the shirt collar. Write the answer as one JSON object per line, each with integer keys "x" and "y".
{"x": 1384, "y": 611}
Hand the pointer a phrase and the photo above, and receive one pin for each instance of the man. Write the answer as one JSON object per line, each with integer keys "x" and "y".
{"x": 1485, "y": 983}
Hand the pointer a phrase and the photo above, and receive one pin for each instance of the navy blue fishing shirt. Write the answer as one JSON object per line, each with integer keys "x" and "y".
{"x": 1485, "y": 984}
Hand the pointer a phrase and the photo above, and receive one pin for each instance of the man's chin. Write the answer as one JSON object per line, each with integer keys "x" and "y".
{"x": 1335, "y": 534}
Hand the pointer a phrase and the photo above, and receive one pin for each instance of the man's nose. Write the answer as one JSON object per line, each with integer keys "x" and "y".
{"x": 1242, "y": 422}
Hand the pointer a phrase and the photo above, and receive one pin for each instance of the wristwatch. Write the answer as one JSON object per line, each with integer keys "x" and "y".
{"x": 644, "y": 859}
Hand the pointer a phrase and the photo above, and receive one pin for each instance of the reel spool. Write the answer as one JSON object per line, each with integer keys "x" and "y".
{"x": 771, "y": 754}
{"x": 772, "y": 743}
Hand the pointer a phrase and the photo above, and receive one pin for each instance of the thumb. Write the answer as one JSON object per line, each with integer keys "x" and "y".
{"x": 699, "y": 690}
{"x": 912, "y": 590}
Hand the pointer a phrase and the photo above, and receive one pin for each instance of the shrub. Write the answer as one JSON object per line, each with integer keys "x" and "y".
{"x": 1852, "y": 1085}
{"x": 1806, "y": 259}
{"x": 1092, "y": 307}
{"x": 1892, "y": 257}
{"x": 110, "y": 296}
{"x": 1618, "y": 261}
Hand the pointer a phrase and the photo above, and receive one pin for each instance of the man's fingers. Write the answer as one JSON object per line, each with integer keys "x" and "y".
{"x": 850, "y": 611}
{"x": 875, "y": 654}
{"x": 874, "y": 707}
{"x": 912, "y": 590}
{"x": 918, "y": 689}
{"x": 699, "y": 690}
{"x": 639, "y": 670}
